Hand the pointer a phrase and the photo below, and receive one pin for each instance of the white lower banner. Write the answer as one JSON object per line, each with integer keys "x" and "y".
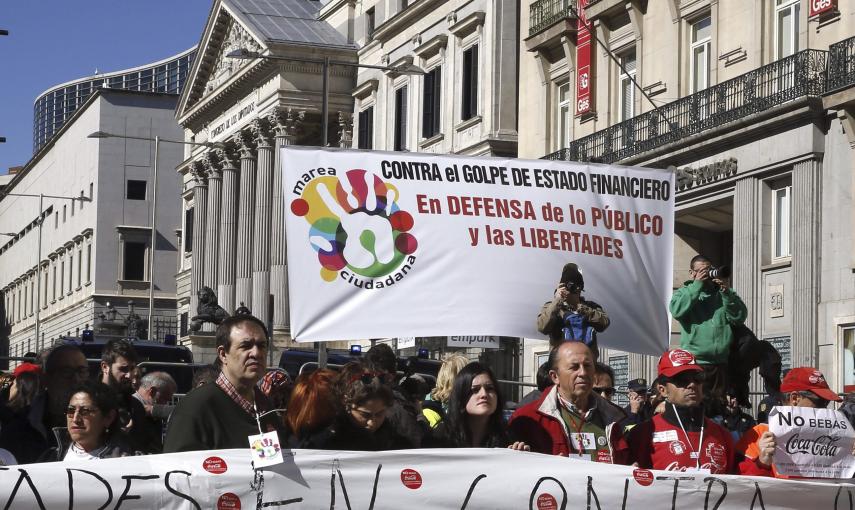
{"x": 430, "y": 479}
{"x": 812, "y": 442}
{"x": 390, "y": 244}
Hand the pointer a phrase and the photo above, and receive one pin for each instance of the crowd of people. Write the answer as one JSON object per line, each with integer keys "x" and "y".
{"x": 689, "y": 418}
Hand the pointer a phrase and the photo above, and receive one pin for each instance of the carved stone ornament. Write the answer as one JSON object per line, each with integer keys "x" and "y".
{"x": 286, "y": 120}
{"x": 208, "y": 310}
{"x": 228, "y": 159}
{"x": 224, "y": 67}
{"x": 246, "y": 144}
{"x": 200, "y": 173}
{"x": 261, "y": 129}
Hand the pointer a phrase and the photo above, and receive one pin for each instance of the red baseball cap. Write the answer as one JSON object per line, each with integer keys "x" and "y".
{"x": 27, "y": 367}
{"x": 808, "y": 379}
{"x": 677, "y": 361}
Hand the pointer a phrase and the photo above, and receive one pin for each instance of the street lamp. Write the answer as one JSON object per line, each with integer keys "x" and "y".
{"x": 245, "y": 54}
{"x": 41, "y": 220}
{"x": 157, "y": 140}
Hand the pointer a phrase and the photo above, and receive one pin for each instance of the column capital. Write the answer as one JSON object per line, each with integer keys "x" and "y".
{"x": 246, "y": 144}
{"x": 214, "y": 164}
{"x": 262, "y": 131}
{"x": 286, "y": 121}
{"x": 228, "y": 158}
{"x": 200, "y": 173}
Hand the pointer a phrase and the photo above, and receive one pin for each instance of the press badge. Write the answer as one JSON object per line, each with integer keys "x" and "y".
{"x": 664, "y": 436}
{"x": 582, "y": 441}
{"x": 265, "y": 449}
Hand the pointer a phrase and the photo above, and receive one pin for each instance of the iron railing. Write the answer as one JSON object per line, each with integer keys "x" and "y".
{"x": 543, "y": 13}
{"x": 799, "y": 75}
{"x": 841, "y": 65}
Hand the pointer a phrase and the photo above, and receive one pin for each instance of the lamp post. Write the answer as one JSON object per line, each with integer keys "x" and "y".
{"x": 244, "y": 54}
{"x": 41, "y": 220}
{"x": 157, "y": 141}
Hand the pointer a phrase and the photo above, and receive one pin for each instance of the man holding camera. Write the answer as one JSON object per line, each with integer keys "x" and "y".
{"x": 707, "y": 309}
{"x": 569, "y": 317}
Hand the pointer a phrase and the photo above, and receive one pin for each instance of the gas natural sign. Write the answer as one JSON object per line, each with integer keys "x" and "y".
{"x": 818, "y": 7}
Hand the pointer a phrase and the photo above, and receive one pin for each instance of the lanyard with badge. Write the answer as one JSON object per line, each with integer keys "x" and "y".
{"x": 264, "y": 446}
{"x": 694, "y": 454}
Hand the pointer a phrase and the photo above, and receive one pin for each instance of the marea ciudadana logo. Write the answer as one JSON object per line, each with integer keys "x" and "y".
{"x": 358, "y": 230}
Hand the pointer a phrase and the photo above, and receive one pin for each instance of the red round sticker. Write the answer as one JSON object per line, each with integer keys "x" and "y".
{"x": 228, "y": 501}
{"x": 679, "y": 357}
{"x": 214, "y": 465}
{"x": 546, "y": 502}
{"x": 643, "y": 476}
{"x": 411, "y": 478}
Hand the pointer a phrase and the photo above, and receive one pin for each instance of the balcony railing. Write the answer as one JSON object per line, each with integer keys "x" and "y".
{"x": 801, "y": 74}
{"x": 543, "y": 13}
{"x": 841, "y": 65}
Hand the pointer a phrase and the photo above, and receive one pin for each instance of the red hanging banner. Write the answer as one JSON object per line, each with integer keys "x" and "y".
{"x": 818, "y": 7}
{"x": 584, "y": 62}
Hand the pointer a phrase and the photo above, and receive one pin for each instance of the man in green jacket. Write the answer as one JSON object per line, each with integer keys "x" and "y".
{"x": 707, "y": 309}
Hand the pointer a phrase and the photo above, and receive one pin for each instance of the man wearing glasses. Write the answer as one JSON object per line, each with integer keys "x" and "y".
{"x": 801, "y": 387}
{"x": 681, "y": 438}
{"x": 29, "y": 435}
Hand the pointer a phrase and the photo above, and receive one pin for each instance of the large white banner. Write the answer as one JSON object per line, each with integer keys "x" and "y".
{"x": 429, "y": 479}
{"x": 388, "y": 244}
{"x": 812, "y": 442}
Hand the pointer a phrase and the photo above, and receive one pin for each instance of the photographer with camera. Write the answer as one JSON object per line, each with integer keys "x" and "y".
{"x": 707, "y": 309}
{"x": 569, "y": 317}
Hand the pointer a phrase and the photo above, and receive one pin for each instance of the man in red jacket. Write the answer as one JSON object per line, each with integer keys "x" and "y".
{"x": 569, "y": 418}
{"x": 681, "y": 438}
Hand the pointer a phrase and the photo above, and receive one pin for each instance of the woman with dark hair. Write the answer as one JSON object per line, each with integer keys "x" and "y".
{"x": 360, "y": 423}
{"x": 92, "y": 431}
{"x": 312, "y": 407}
{"x": 474, "y": 418}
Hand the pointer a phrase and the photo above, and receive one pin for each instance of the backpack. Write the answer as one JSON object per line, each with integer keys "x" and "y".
{"x": 576, "y": 328}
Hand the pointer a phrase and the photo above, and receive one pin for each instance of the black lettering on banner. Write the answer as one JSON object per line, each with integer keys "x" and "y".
{"x": 710, "y": 480}
{"x": 94, "y": 475}
{"x": 837, "y": 497}
{"x": 673, "y": 495}
{"x": 175, "y": 491}
{"x": 344, "y": 489}
{"x": 757, "y": 495}
{"x": 537, "y": 486}
{"x": 24, "y": 476}
{"x": 126, "y": 496}
{"x": 625, "y": 493}
{"x": 472, "y": 489}
{"x": 281, "y": 503}
{"x": 258, "y": 486}
{"x": 591, "y": 492}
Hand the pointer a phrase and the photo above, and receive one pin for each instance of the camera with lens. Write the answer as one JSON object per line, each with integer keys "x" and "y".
{"x": 719, "y": 273}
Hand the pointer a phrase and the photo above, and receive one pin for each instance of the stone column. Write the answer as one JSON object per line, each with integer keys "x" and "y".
{"x": 228, "y": 231}
{"x": 200, "y": 197}
{"x": 246, "y": 210}
{"x": 805, "y": 248}
{"x": 261, "y": 233}
{"x": 746, "y": 229}
{"x": 212, "y": 235}
{"x": 286, "y": 121}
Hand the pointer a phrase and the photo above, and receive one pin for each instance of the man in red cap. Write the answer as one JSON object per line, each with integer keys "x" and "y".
{"x": 801, "y": 387}
{"x": 681, "y": 438}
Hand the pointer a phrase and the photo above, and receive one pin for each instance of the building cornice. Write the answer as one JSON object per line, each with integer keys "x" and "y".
{"x": 405, "y": 18}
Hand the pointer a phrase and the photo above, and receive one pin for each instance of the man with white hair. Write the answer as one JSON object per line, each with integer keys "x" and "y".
{"x": 155, "y": 393}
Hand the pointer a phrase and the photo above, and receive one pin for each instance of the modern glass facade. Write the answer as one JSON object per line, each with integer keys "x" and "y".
{"x": 55, "y": 106}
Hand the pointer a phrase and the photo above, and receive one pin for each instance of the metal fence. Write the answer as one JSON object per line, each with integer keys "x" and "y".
{"x": 543, "y": 13}
{"x": 841, "y": 65}
{"x": 799, "y": 75}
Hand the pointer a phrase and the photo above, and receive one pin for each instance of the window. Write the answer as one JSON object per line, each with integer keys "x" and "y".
{"x": 781, "y": 222}
{"x": 136, "y": 190}
{"x": 45, "y": 286}
{"x": 79, "y": 267}
{"x": 786, "y": 27}
{"x": 134, "y": 261}
{"x": 564, "y": 118}
{"x": 627, "y": 89}
{"x": 365, "y": 139}
{"x": 469, "y": 106}
{"x": 369, "y": 23}
{"x": 431, "y": 102}
{"x": 61, "y": 277}
{"x": 64, "y": 211}
{"x": 70, "y": 272}
{"x": 88, "y": 263}
{"x": 400, "y": 138}
{"x": 188, "y": 231}
{"x": 849, "y": 359}
{"x": 53, "y": 287}
{"x": 700, "y": 51}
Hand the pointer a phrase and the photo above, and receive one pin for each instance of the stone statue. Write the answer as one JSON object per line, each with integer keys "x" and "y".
{"x": 207, "y": 311}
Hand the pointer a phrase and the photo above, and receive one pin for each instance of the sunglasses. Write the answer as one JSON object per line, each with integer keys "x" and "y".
{"x": 818, "y": 402}
{"x": 606, "y": 392}
{"x": 85, "y": 412}
{"x": 686, "y": 378}
{"x": 367, "y": 377}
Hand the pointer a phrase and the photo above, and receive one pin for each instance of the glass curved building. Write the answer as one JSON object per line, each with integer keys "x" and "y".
{"x": 56, "y": 105}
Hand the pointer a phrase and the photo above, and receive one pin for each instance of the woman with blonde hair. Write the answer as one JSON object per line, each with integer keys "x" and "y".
{"x": 436, "y": 402}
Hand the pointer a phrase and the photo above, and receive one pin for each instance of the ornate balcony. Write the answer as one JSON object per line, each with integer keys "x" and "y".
{"x": 799, "y": 75}
{"x": 543, "y": 13}
{"x": 841, "y": 65}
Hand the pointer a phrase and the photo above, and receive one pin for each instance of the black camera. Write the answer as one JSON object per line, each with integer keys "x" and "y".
{"x": 719, "y": 273}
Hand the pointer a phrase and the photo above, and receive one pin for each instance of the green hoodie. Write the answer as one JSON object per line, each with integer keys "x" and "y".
{"x": 706, "y": 319}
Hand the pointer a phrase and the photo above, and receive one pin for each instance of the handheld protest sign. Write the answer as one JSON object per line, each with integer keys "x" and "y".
{"x": 811, "y": 442}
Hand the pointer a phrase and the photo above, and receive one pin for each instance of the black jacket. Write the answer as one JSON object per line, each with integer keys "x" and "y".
{"x": 343, "y": 434}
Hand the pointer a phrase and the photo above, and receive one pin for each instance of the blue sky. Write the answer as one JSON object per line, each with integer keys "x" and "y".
{"x": 54, "y": 41}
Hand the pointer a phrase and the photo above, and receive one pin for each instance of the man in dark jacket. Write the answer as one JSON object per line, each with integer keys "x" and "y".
{"x": 224, "y": 414}
{"x": 639, "y": 409}
{"x": 118, "y": 363}
{"x": 570, "y": 317}
{"x": 403, "y": 416}
{"x": 569, "y": 418}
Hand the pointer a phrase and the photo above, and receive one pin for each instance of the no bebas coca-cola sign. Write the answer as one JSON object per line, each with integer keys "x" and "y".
{"x": 818, "y": 7}
{"x": 816, "y": 443}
